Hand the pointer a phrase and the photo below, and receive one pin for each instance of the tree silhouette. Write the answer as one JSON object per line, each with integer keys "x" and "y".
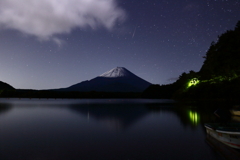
{"x": 222, "y": 58}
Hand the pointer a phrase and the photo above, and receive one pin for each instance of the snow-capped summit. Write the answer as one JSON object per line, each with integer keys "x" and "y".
{"x": 117, "y": 72}
{"x": 116, "y": 80}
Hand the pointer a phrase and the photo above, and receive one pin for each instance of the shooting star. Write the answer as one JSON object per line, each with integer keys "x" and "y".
{"x": 134, "y": 32}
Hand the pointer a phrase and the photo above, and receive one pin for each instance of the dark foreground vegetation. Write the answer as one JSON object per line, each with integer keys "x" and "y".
{"x": 217, "y": 80}
{"x": 16, "y": 93}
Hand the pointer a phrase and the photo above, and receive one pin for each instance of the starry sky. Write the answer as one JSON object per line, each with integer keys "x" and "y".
{"x": 48, "y": 44}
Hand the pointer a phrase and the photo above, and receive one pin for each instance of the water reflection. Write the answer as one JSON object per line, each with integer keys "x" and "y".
{"x": 191, "y": 116}
{"x": 123, "y": 116}
{"x": 188, "y": 115}
{"x": 120, "y": 114}
{"x": 5, "y": 107}
{"x": 88, "y": 129}
{"x": 194, "y": 117}
{"x": 115, "y": 116}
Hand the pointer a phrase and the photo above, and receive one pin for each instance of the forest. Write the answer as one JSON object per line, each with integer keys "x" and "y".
{"x": 217, "y": 80}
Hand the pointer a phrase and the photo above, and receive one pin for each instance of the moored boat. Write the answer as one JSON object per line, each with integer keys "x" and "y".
{"x": 227, "y": 133}
{"x": 235, "y": 111}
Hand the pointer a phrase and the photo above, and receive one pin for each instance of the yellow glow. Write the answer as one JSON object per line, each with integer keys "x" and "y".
{"x": 193, "y": 82}
{"x": 194, "y": 117}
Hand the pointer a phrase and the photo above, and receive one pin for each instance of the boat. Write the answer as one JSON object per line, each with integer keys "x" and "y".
{"x": 235, "y": 119}
{"x": 227, "y": 133}
{"x": 225, "y": 151}
{"x": 235, "y": 111}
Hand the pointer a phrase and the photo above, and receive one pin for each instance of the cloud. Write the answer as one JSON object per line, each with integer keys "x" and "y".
{"x": 58, "y": 41}
{"x": 47, "y": 18}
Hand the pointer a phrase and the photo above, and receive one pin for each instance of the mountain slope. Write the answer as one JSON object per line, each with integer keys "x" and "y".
{"x": 116, "y": 80}
{"x": 117, "y": 72}
{"x": 6, "y": 86}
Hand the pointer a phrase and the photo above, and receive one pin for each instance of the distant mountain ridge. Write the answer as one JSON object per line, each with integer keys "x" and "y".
{"x": 118, "y": 79}
{"x": 6, "y": 86}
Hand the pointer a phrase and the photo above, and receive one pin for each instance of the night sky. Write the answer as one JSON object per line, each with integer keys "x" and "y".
{"x": 48, "y": 44}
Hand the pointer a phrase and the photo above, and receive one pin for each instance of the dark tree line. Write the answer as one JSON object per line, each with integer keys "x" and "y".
{"x": 223, "y": 57}
{"x": 18, "y": 93}
{"x": 218, "y": 78}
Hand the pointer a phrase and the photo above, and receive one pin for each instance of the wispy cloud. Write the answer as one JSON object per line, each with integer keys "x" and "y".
{"x": 47, "y": 18}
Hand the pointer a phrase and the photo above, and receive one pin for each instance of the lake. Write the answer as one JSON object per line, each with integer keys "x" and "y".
{"x": 108, "y": 129}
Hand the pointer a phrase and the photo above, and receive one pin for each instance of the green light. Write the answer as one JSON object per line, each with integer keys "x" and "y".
{"x": 194, "y": 117}
{"x": 193, "y": 82}
{"x": 190, "y": 115}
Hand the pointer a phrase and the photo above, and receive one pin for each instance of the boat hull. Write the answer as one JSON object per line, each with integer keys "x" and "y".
{"x": 229, "y": 138}
{"x": 235, "y": 112}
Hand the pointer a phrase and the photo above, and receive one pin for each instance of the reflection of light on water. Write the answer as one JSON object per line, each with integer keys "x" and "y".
{"x": 88, "y": 116}
{"x": 194, "y": 117}
{"x": 112, "y": 123}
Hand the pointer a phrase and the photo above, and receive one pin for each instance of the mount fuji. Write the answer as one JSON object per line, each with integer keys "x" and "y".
{"x": 116, "y": 80}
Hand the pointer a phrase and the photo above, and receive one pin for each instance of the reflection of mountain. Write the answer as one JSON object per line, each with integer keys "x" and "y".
{"x": 117, "y": 116}
{"x": 4, "y": 107}
{"x": 122, "y": 116}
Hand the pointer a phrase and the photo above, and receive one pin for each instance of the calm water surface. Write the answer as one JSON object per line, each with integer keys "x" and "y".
{"x": 102, "y": 130}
